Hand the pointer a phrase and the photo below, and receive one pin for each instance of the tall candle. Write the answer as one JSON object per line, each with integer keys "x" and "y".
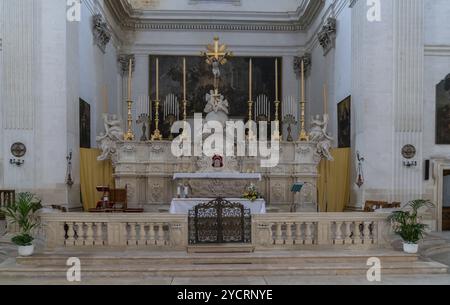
{"x": 157, "y": 79}
{"x": 129, "y": 79}
{"x": 276, "y": 79}
{"x": 303, "y": 82}
{"x": 250, "y": 80}
{"x": 184, "y": 78}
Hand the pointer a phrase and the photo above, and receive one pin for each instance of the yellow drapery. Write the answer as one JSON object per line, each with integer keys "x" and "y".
{"x": 333, "y": 183}
{"x": 92, "y": 174}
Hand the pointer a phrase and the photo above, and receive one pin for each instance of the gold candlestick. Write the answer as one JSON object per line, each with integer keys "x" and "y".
{"x": 250, "y": 100}
{"x": 303, "y": 136}
{"x": 129, "y": 136}
{"x": 276, "y": 132}
{"x": 157, "y": 136}
{"x": 184, "y": 99}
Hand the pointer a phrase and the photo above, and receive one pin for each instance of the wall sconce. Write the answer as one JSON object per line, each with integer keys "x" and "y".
{"x": 18, "y": 150}
{"x": 17, "y": 162}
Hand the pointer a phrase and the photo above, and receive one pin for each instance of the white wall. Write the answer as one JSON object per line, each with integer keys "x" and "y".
{"x": 98, "y": 71}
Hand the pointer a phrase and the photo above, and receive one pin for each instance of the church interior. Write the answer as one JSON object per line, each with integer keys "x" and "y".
{"x": 224, "y": 141}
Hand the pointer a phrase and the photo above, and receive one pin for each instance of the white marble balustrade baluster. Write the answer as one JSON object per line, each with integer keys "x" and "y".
{"x": 132, "y": 240}
{"x": 366, "y": 232}
{"x": 161, "y": 240}
{"x": 279, "y": 234}
{"x": 289, "y": 240}
{"x": 308, "y": 233}
{"x": 298, "y": 234}
{"x": 80, "y": 234}
{"x": 89, "y": 241}
{"x": 142, "y": 238}
{"x": 70, "y": 241}
{"x": 338, "y": 240}
{"x": 151, "y": 235}
{"x": 348, "y": 233}
{"x": 357, "y": 233}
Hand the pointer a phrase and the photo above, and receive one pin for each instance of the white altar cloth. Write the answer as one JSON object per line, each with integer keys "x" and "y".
{"x": 183, "y": 205}
{"x": 218, "y": 175}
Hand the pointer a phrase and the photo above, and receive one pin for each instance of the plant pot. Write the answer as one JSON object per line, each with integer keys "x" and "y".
{"x": 26, "y": 250}
{"x": 410, "y": 248}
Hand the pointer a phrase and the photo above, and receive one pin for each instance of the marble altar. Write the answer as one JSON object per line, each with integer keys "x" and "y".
{"x": 148, "y": 168}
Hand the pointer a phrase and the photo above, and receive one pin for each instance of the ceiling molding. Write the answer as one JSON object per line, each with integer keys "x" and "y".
{"x": 132, "y": 19}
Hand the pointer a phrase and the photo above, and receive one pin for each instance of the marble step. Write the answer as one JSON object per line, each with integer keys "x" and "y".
{"x": 221, "y": 248}
{"x": 201, "y": 270}
{"x": 177, "y": 258}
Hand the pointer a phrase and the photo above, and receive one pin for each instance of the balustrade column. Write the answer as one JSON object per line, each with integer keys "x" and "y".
{"x": 142, "y": 238}
{"x": 279, "y": 234}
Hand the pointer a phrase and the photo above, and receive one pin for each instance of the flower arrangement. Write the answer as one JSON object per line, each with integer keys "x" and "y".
{"x": 251, "y": 193}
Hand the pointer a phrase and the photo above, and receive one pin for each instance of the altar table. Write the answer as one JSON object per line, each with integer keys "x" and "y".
{"x": 183, "y": 205}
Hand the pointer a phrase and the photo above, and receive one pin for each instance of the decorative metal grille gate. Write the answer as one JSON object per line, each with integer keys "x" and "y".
{"x": 219, "y": 221}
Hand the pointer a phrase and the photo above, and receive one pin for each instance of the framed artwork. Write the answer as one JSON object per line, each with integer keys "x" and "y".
{"x": 85, "y": 124}
{"x": 443, "y": 111}
{"x": 233, "y": 83}
{"x": 344, "y": 123}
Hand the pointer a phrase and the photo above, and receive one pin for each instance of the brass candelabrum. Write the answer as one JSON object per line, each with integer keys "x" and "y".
{"x": 129, "y": 136}
{"x": 157, "y": 136}
{"x": 276, "y": 132}
{"x": 303, "y": 136}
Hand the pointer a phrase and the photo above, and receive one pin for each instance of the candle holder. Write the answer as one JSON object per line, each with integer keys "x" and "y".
{"x": 157, "y": 136}
{"x": 303, "y": 136}
{"x": 276, "y": 133}
{"x": 129, "y": 135}
{"x": 250, "y": 135}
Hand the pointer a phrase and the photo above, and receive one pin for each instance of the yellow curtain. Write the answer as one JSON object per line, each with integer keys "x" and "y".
{"x": 334, "y": 181}
{"x": 92, "y": 174}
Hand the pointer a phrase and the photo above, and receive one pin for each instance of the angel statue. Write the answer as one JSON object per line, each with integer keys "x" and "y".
{"x": 108, "y": 139}
{"x": 216, "y": 103}
{"x": 318, "y": 134}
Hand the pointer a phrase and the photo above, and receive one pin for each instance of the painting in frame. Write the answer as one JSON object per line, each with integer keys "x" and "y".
{"x": 344, "y": 122}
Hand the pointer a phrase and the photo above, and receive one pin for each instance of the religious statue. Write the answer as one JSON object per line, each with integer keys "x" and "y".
{"x": 108, "y": 139}
{"x": 216, "y": 103}
{"x": 318, "y": 134}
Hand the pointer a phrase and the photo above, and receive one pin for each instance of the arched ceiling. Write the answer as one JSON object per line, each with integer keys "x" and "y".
{"x": 225, "y": 15}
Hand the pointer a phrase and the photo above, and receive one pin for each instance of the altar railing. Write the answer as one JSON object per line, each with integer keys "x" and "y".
{"x": 297, "y": 230}
{"x": 269, "y": 231}
{"x": 115, "y": 230}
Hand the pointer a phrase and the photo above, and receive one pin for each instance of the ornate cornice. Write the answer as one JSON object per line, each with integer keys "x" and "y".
{"x": 131, "y": 19}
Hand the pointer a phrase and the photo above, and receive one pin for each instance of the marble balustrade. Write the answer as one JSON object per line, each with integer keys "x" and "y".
{"x": 167, "y": 231}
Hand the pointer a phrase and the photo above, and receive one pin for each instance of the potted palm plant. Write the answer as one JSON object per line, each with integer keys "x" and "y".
{"x": 407, "y": 224}
{"x": 23, "y": 213}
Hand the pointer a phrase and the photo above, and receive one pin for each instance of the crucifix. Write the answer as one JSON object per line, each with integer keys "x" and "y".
{"x": 216, "y": 55}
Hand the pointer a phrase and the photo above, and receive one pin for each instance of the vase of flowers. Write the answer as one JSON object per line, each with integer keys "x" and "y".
{"x": 251, "y": 193}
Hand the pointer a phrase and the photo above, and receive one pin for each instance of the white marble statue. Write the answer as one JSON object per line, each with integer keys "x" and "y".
{"x": 216, "y": 108}
{"x": 318, "y": 134}
{"x": 108, "y": 139}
